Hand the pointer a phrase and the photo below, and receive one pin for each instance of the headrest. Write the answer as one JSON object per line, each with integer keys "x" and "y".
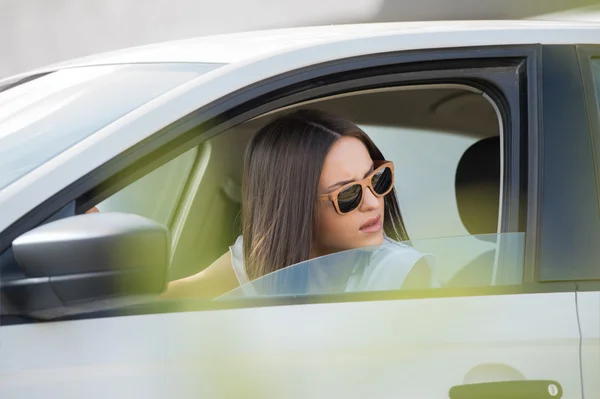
{"x": 232, "y": 190}
{"x": 478, "y": 186}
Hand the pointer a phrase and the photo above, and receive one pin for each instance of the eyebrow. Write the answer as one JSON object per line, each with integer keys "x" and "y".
{"x": 341, "y": 183}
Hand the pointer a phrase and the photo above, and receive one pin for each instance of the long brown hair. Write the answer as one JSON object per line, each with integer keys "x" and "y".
{"x": 280, "y": 185}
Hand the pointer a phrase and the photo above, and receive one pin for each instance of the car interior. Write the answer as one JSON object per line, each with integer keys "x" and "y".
{"x": 445, "y": 144}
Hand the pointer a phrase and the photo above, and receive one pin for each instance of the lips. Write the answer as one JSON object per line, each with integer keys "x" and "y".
{"x": 372, "y": 225}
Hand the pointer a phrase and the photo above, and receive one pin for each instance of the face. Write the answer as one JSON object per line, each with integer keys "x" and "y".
{"x": 348, "y": 160}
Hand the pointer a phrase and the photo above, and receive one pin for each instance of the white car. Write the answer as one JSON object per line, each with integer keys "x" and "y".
{"x": 494, "y": 128}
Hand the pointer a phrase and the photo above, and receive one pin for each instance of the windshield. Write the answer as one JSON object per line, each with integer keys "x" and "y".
{"x": 465, "y": 261}
{"x": 44, "y": 116}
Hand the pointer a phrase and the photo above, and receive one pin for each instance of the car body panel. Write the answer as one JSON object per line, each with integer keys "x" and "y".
{"x": 588, "y": 306}
{"x": 415, "y": 348}
{"x": 237, "y": 47}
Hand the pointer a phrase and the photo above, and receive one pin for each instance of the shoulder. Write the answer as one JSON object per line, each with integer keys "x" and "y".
{"x": 390, "y": 265}
{"x": 237, "y": 260}
{"x": 396, "y": 248}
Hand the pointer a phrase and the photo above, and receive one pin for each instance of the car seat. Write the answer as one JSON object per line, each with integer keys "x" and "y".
{"x": 477, "y": 184}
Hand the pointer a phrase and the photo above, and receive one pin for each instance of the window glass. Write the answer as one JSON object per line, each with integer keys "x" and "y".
{"x": 428, "y": 185}
{"x": 425, "y": 176}
{"x": 43, "y": 117}
{"x": 569, "y": 235}
{"x": 155, "y": 195}
{"x": 449, "y": 261}
{"x": 595, "y": 63}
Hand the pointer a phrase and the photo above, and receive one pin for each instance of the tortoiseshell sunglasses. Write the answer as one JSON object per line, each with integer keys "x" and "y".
{"x": 350, "y": 196}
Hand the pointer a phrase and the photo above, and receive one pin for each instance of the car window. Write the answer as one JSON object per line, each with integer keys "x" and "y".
{"x": 43, "y": 117}
{"x": 427, "y": 163}
{"x": 450, "y": 261}
{"x": 447, "y": 164}
{"x": 155, "y": 195}
{"x": 430, "y": 166}
{"x": 595, "y": 63}
{"x": 570, "y": 204}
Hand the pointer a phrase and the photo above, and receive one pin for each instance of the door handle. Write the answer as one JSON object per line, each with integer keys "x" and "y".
{"x": 524, "y": 389}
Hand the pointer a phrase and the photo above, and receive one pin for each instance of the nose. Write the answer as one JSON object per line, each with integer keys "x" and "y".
{"x": 370, "y": 201}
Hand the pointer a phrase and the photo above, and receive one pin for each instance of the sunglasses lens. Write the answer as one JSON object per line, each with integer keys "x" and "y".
{"x": 382, "y": 181}
{"x": 349, "y": 198}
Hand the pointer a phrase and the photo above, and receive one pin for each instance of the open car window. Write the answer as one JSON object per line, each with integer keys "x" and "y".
{"x": 467, "y": 261}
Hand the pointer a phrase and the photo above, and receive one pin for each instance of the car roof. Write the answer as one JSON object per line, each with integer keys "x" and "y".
{"x": 235, "y": 47}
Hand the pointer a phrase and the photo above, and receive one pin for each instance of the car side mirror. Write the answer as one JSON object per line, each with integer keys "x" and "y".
{"x": 86, "y": 259}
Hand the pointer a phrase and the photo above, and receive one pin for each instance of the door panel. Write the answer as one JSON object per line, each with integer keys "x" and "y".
{"x": 588, "y": 306}
{"x": 417, "y": 348}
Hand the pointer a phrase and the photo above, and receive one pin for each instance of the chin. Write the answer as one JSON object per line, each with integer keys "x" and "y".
{"x": 373, "y": 240}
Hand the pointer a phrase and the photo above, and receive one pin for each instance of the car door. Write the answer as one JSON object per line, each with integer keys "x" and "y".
{"x": 588, "y": 307}
{"x": 413, "y": 344}
{"x": 588, "y": 275}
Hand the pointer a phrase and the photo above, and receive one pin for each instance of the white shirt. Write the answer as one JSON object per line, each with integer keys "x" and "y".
{"x": 366, "y": 269}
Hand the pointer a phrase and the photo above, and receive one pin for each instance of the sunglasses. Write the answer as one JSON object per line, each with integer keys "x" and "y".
{"x": 350, "y": 196}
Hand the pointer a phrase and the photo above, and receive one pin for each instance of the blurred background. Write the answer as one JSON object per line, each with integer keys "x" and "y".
{"x": 34, "y": 33}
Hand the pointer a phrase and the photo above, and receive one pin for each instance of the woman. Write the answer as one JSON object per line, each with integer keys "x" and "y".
{"x": 314, "y": 185}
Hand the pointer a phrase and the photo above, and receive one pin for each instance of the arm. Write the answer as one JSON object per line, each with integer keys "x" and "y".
{"x": 216, "y": 279}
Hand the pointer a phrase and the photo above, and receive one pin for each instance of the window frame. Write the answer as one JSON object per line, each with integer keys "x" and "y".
{"x": 473, "y": 66}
